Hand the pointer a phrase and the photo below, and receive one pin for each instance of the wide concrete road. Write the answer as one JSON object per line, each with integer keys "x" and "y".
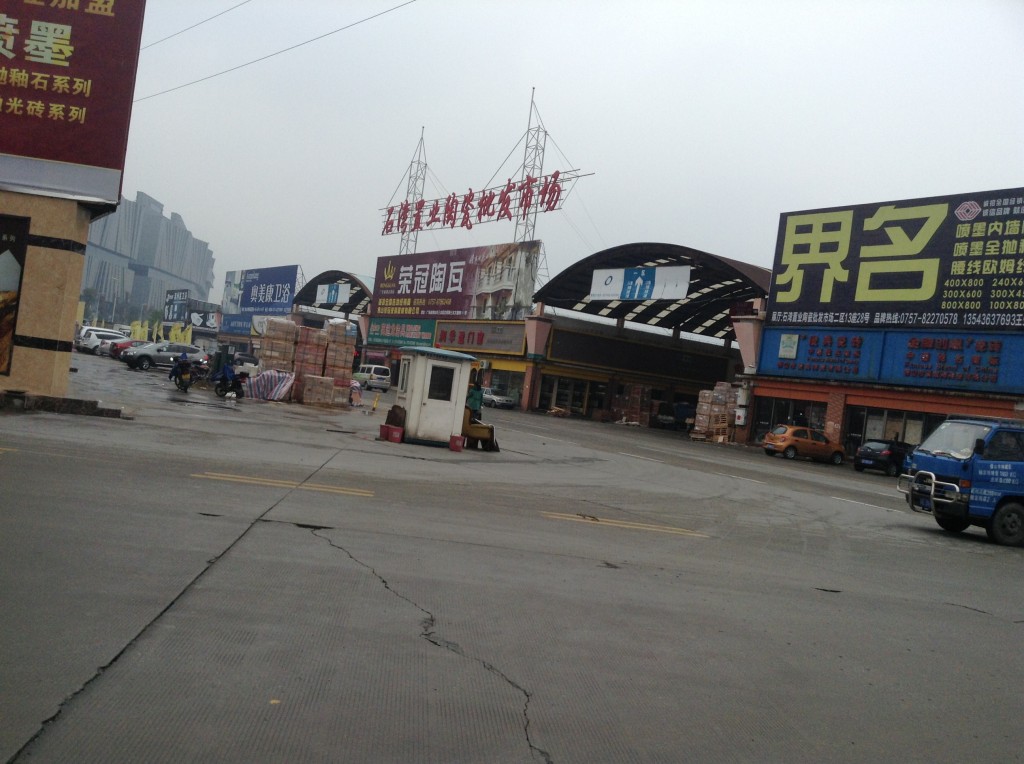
{"x": 260, "y": 582}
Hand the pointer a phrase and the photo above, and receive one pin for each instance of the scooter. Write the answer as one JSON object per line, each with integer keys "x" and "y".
{"x": 227, "y": 380}
{"x": 183, "y": 376}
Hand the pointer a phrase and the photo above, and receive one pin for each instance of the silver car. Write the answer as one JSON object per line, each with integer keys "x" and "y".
{"x": 497, "y": 400}
{"x": 161, "y": 354}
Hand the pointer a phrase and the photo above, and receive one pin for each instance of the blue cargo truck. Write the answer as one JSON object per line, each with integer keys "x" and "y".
{"x": 970, "y": 471}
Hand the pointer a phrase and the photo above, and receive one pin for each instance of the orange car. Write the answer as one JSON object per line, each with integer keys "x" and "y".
{"x": 795, "y": 440}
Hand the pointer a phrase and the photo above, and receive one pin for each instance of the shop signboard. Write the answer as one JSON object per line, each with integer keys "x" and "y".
{"x": 202, "y": 320}
{"x": 639, "y": 284}
{"x": 488, "y": 336}
{"x": 175, "y": 306}
{"x": 396, "y": 332}
{"x": 13, "y": 247}
{"x": 236, "y": 324}
{"x": 67, "y": 80}
{"x": 922, "y": 292}
{"x": 332, "y": 294}
{"x": 495, "y": 282}
{"x": 949, "y": 263}
{"x": 974, "y": 361}
{"x": 266, "y": 291}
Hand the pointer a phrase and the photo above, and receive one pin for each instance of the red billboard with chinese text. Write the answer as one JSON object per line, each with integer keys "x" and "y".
{"x": 67, "y": 79}
{"x": 495, "y": 282}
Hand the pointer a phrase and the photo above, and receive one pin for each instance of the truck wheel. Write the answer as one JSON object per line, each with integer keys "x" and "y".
{"x": 953, "y": 524}
{"x": 1007, "y": 525}
{"x": 790, "y": 452}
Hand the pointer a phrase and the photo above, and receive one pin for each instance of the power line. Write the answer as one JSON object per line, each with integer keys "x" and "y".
{"x": 278, "y": 53}
{"x": 168, "y": 37}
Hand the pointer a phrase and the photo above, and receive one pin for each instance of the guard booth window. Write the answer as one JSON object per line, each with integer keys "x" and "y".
{"x": 442, "y": 381}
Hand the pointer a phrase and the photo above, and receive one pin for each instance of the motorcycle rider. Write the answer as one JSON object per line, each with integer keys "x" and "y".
{"x": 181, "y": 364}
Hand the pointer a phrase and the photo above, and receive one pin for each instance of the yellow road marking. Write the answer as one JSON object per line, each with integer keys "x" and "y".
{"x": 6, "y": 450}
{"x": 283, "y": 483}
{"x": 624, "y": 524}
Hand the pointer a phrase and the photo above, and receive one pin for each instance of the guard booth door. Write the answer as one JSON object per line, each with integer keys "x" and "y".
{"x": 436, "y": 415}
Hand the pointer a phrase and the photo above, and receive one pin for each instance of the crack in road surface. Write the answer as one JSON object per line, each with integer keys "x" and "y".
{"x": 428, "y": 633}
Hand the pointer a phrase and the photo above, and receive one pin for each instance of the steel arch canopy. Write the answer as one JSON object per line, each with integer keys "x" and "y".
{"x": 358, "y": 300}
{"x": 716, "y": 285}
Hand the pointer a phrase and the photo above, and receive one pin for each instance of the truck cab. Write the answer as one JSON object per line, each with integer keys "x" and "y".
{"x": 970, "y": 471}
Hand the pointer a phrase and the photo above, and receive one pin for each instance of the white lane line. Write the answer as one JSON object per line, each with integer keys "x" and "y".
{"x": 740, "y": 477}
{"x": 645, "y": 458}
{"x": 545, "y": 437}
{"x": 864, "y": 504}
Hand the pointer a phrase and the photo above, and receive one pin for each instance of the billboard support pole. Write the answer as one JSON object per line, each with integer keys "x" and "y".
{"x": 414, "y": 193}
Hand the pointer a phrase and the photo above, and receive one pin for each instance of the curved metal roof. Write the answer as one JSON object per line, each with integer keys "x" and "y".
{"x": 716, "y": 285}
{"x": 358, "y": 300}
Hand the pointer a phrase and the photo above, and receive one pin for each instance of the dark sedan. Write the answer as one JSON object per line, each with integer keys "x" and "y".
{"x": 884, "y": 455}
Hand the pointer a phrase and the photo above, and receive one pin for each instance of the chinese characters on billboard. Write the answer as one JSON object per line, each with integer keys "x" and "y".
{"x": 494, "y": 282}
{"x": 953, "y": 262}
{"x": 175, "y": 305}
{"x": 263, "y": 291}
{"x": 922, "y": 293}
{"x": 396, "y": 332}
{"x": 512, "y": 201}
{"x": 67, "y": 77}
{"x": 13, "y": 246}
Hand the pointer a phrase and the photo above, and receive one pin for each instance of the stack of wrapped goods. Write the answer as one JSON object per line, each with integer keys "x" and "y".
{"x": 716, "y": 413}
{"x": 633, "y": 406}
{"x": 341, "y": 348}
{"x": 317, "y": 391}
{"x": 277, "y": 350}
{"x": 309, "y": 360}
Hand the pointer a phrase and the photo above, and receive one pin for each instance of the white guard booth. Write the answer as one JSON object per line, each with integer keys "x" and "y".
{"x": 432, "y": 387}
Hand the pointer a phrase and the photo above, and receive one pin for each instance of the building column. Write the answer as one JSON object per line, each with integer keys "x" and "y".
{"x": 50, "y": 285}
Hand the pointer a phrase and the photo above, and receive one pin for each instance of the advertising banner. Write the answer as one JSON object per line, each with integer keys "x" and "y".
{"x": 175, "y": 306}
{"x": 266, "y": 291}
{"x": 13, "y": 247}
{"x": 202, "y": 320}
{"x": 237, "y": 324}
{"x": 67, "y": 78}
{"x": 639, "y": 284}
{"x": 488, "y": 336}
{"x": 493, "y": 282}
{"x": 954, "y": 263}
{"x": 396, "y": 332}
{"x": 333, "y": 294}
{"x": 980, "y": 361}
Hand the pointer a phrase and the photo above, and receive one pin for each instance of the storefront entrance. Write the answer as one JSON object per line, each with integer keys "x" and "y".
{"x": 577, "y": 396}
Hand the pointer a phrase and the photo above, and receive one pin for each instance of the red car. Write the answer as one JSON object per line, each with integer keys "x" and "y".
{"x": 117, "y": 347}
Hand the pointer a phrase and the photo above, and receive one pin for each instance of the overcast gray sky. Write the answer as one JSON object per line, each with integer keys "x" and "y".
{"x": 701, "y": 121}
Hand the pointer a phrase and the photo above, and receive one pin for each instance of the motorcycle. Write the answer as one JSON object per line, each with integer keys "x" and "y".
{"x": 182, "y": 375}
{"x": 227, "y": 380}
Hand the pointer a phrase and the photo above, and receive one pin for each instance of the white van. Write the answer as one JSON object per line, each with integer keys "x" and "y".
{"x": 371, "y": 377}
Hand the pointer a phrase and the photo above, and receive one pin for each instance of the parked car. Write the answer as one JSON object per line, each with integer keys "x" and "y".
{"x": 90, "y": 339}
{"x": 884, "y": 455}
{"x": 796, "y": 440}
{"x": 497, "y": 400}
{"x": 161, "y": 354}
{"x": 116, "y": 348}
{"x": 371, "y": 377}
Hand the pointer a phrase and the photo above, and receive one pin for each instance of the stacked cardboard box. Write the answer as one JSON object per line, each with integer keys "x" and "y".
{"x": 341, "y": 348}
{"x": 716, "y": 412}
{"x": 309, "y": 359}
{"x": 317, "y": 391}
{"x": 277, "y": 350}
{"x": 634, "y": 405}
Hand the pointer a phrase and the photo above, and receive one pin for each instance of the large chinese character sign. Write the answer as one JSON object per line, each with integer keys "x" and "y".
{"x": 260, "y": 291}
{"x": 952, "y": 262}
{"x": 494, "y": 282}
{"x": 67, "y": 77}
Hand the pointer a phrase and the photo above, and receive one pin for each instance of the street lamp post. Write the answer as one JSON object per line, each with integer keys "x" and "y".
{"x": 113, "y": 308}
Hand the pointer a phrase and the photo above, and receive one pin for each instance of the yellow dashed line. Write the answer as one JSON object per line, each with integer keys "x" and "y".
{"x": 624, "y": 524}
{"x": 283, "y": 484}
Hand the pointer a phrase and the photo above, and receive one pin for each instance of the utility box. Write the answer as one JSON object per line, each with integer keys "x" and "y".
{"x": 432, "y": 387}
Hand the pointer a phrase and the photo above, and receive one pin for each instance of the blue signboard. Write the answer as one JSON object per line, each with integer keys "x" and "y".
{"x": 980, "y": 362}
{"x": 240, "y": 325}
{"x": 262, "y": 291}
